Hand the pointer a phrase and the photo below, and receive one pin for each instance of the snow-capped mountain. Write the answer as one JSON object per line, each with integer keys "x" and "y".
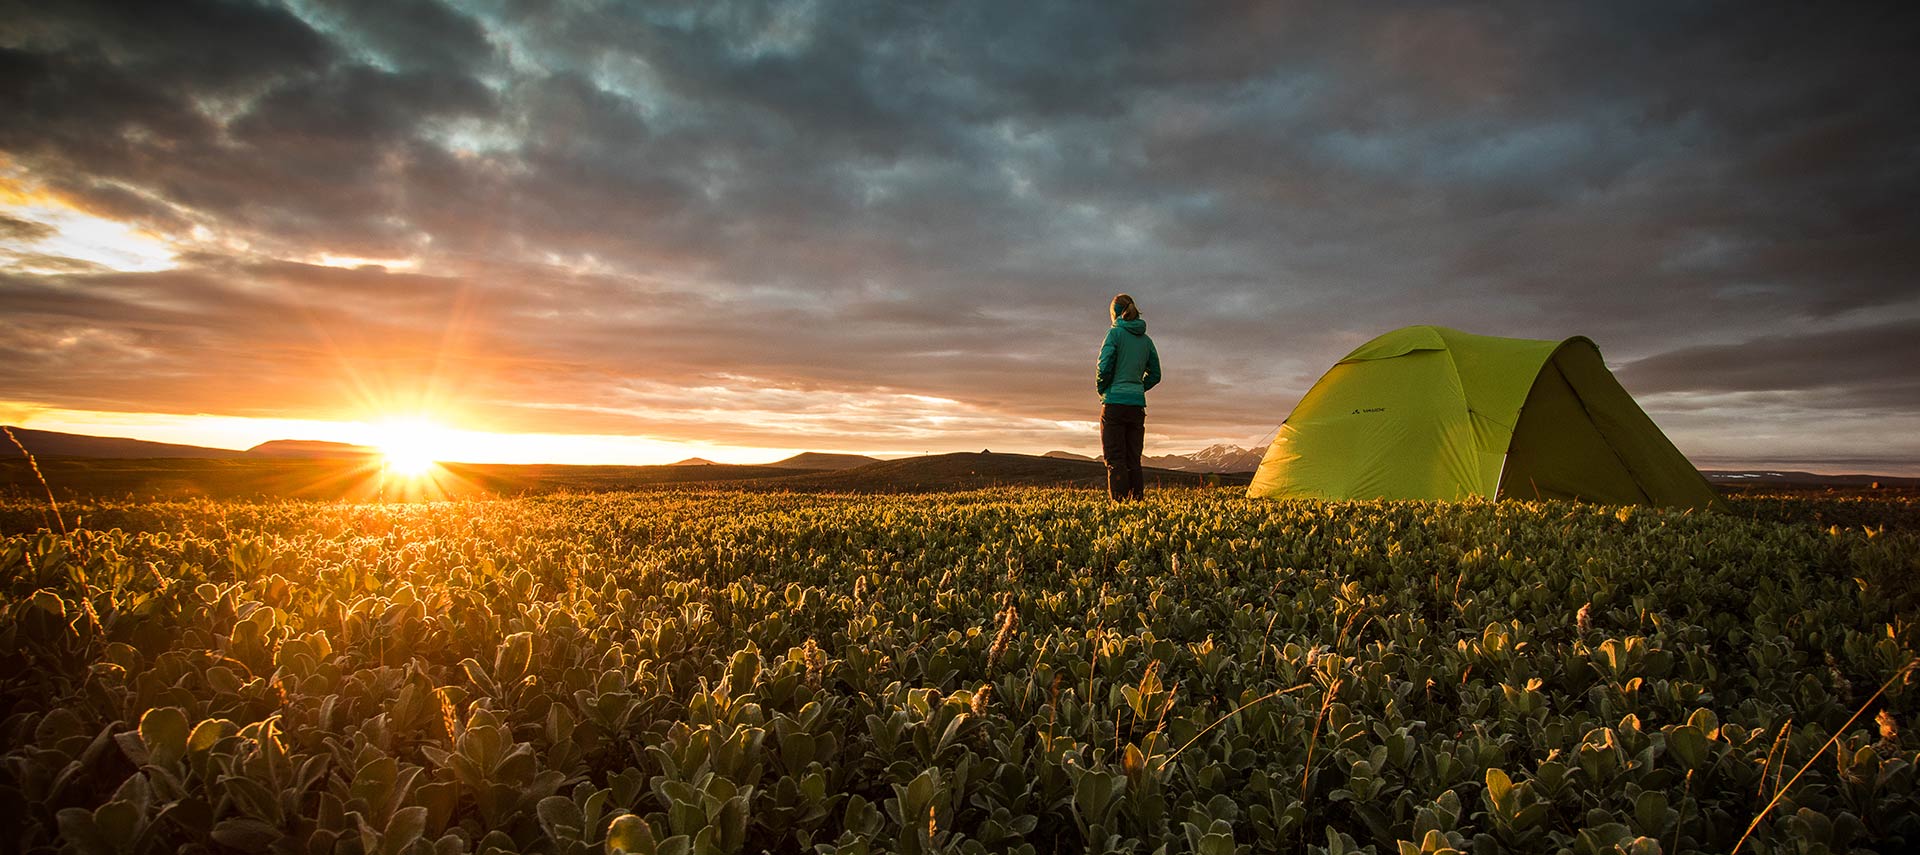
{"x": 1213, "y": 458}
{"x": 1226, "y": 458}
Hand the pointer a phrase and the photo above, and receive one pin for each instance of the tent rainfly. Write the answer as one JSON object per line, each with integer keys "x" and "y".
{"x": 1427, "y": 412}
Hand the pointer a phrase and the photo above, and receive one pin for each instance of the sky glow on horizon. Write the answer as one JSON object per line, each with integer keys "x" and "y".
{"x": 733, "y": 230}
{"x": 449, "y": 445}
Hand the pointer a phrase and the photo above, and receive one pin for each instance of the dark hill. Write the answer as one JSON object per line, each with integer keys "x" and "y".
{"x": 1066, "y": 455}
{"x": 351, "y": 479}
{"x": 1779, "y": 478}
{"x": 312, "y": 449}
{"x": 968, "y": 471}
{"x": 694, "y": 461}
{"x": 823, "y": 461}
{"x": 543, "y": 477}
{"x": 47, "y": 443}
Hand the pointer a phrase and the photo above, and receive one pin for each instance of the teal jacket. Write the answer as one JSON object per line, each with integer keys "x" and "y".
{"x": 1129, "y": 365}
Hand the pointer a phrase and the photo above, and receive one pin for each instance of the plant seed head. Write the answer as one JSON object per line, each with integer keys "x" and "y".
{"x": 1000, "y": 641}
{"x": 448, "y": 718}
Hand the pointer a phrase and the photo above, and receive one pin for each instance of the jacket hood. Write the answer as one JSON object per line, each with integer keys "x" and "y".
{"x": 1137, "y": 326}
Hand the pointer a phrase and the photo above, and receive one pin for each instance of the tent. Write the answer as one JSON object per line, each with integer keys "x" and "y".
{"x": 1432, "y": 413}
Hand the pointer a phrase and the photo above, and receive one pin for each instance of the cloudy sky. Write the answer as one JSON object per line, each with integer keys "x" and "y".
{"x": 894, "y": 227}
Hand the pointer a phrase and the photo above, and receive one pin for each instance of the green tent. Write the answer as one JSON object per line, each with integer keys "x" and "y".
{"x": 1432, "y": 413}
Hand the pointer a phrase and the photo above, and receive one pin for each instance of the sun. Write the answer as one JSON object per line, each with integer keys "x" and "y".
{"x": 407, "y": 447}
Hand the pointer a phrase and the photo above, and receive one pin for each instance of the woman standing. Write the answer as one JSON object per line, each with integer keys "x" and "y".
{"x": 1129, "y": 366}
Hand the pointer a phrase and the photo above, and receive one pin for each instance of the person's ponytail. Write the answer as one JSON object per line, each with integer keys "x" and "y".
{"x": 1124, "y": 309}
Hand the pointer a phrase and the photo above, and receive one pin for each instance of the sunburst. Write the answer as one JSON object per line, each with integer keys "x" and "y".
{"x": 408, "y": 446}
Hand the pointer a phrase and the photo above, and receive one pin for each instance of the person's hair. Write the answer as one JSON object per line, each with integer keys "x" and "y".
{"x": 1125, "y": 309}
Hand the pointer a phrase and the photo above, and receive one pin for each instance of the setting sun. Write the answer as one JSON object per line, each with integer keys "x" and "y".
{"x": 409, "y": 447}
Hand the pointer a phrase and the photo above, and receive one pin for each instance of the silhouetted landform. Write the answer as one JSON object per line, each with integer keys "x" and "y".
{"x": 1217, "y": 458}
{"x": 819, "y": 460}
{"x": 1767, "y": 478}
{"x": 1068, "y": 455}
{"x": 508, "y": 479}
{"x": 78, "y": 465}
{"x": 969, "y": 471}
{"x": 312, "y": 449}
{"x": 47, "y": 443}
{"x": 161, "y": 478}
{"x": 1213, "y": 458}
{"x": 363, "y": 479}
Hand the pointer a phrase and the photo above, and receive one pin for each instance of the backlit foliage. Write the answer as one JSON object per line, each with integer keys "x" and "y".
{"x": 1016, "y": 670}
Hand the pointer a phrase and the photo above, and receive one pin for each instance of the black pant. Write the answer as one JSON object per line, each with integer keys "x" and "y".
{"x": 1123, "y": 430}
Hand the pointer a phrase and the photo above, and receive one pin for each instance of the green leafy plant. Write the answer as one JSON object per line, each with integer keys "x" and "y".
{"x": 998, "y": 671}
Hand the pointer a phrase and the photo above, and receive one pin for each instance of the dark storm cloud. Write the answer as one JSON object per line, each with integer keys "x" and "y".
{"x": 936, "y": 200}
{"x": 203, "y": 46}
{"x": 409, "y": 33}
{"x": 1869, "y": 365}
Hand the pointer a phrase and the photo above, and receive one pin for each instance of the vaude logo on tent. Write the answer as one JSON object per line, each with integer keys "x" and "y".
{"x": 1368, "y": 410}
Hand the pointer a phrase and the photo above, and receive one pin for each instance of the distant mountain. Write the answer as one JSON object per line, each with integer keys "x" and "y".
{"x": 823, "y": 461}
{"x": 1227, "y": 458}
{"x": 1778, "y": 478}
{"x": 1067, "y": 455}
{"x": 973, "y": 470}
{"x": 46, "y": 443}
{"x": 694, "y": 461}
{"x": 1213, "y": 458}
{"x": 312, "y": 449}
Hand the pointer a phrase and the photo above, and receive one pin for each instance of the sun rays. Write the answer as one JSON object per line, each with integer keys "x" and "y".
{"x": 409, "y": 447}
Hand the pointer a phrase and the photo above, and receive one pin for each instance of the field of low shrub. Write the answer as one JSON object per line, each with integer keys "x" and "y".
{"x": 998, "y": 671}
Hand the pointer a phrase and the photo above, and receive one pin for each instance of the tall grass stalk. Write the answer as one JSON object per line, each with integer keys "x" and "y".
{"x": 1221, "y": 720}
{"x": 1782, "y": 792}
{"x": 35, "y": 466}
{"x": 1313, "y": 739}
{"x": 79, "y": 564}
